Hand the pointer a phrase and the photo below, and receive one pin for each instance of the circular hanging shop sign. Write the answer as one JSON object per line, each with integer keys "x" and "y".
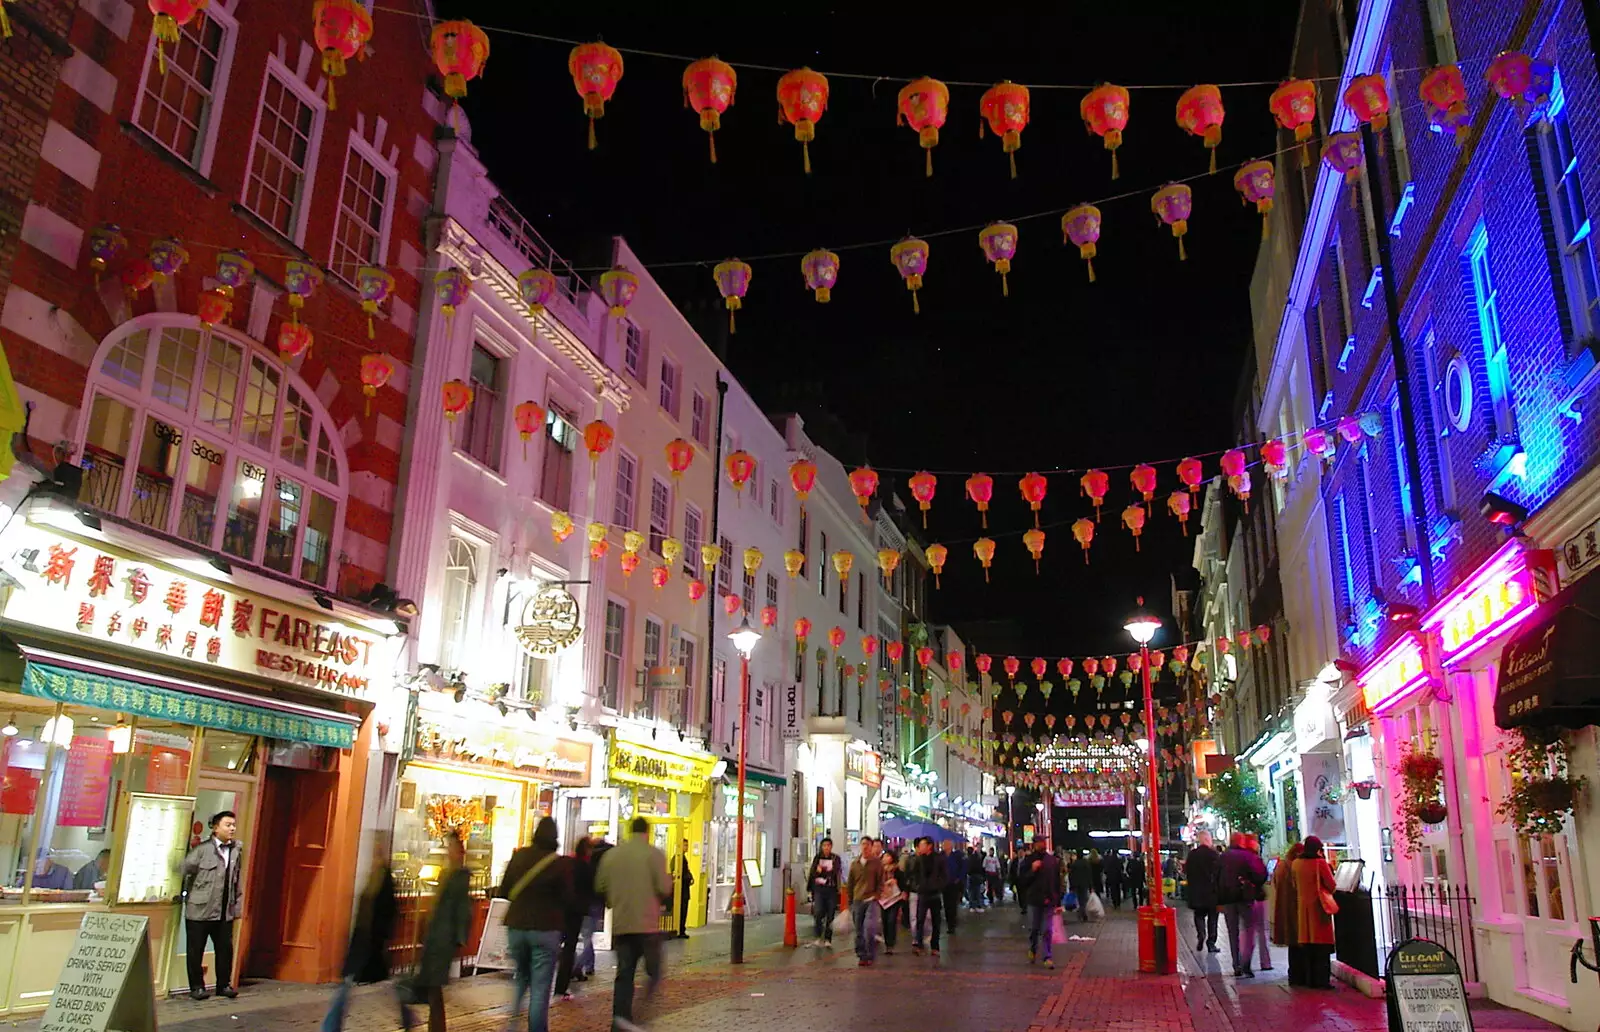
{"x": 550, "y": 622}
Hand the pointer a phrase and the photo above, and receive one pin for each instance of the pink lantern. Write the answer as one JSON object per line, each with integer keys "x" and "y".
{"x": 1081, "y": 226}
{"x": 1172, "y": 205}
{"x": 1095, "y": 484}
{"x": 1445, "y": 94}
{"x": 536, "y": 286}
{"x": 1190, "y": 474}
{"x": 1256, "y": 182}
{"x": 1343, "y": 153}
{"x": 999, "y": 243}
{"x": 1319, "y": 443}
{"x": 1133, "y": 518}
{"x": 821, "y": 271}
{"x": 1349, "y": 428}
{"x": 708, "y": 86}
{"x": 1143, "y": 479}
{"x": 1200, "y": 113}
{"x": 1275, "y": 458}
{"x": 1179, "y": 503}
{"x": 733, "y": 279}
{"x": 910, "y": 258}
{"x": 294, "y": 340}
{"x": 1233, "y": 462}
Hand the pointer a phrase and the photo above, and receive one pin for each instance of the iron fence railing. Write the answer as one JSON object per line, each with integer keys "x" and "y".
{"x": 1440, "y": 913}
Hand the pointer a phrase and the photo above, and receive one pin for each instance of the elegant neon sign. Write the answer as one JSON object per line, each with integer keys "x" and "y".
{"x": 1504, "y": 592}
{"x": 1393, "y": 675}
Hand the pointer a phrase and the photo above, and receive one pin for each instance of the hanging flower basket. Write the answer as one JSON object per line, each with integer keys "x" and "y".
{"x": 1432, "y": 813}
{"x": 1543, "y": 791}
{"x": 1363, "y": 789}
{"x": 1422, "y": 777}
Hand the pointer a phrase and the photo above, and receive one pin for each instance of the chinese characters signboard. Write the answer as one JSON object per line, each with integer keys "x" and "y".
{"x": 562, "y": 761}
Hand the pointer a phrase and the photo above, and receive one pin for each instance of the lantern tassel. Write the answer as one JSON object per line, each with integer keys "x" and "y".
{"x": 1086, "y": 557}
{"x": 985, "y": 515}
{"x": 1213, "y": 161}
{"x": 1265, "y": 226}
{"x": 1183, "y": 255}
{"x": 1036, "y": 567}
{"x": 1091, "y": 269}
{"x": 936, "y": 582}
{"x": 713, "y": 138}
{"x": 916, "y": 306}
{"x": 161, "y": 54}
{"x": 805, "y": 155}
{"x": 731, "y": 327}
{"x": 593, "y": 143}
{"x": 1114, "y": 170}
{"x": 924, "y": 519}
{"x": 333, "y": 100}
{"x": 366, "y": 406}
{"x": 372, "y": 331}
{"x": 1136, "y": 547}
{"x": 1012, "y": 157}
{"x": 986, "y": 574}
{"x": 1005, "y": 288}
{"x": 5, "y": 23}
{"x": 525, "y": 447}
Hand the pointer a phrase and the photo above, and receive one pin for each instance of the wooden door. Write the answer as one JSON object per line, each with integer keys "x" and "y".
{"x": 292, "y": 939}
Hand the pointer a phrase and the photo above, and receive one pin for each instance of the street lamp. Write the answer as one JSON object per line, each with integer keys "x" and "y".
{"x": 1157, "y": 917}
{"x": 1011, "y": 823}
{"x": 744, "y": 638}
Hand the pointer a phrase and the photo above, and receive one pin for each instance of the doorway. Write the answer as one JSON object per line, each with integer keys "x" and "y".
{"x": 293, "y": 888}
{"x": 213, "y": 795}
{"x": 667, "y": 834}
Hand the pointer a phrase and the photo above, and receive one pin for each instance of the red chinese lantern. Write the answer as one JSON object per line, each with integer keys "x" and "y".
{"x": 375, "y": 373}
{"x": 803, "y": 477}
{"x": 1133, "y": 519}
{"x": 1143, "y": 479}
{"x": 137, "y": 276}
{"x": 697, "y": 590}
{"x": 171, "y": 15}
{"x": 821, "y": 271}
{"x": 1095, "y": 484}
{"x": 1081, "y": 226}
{"x": 1294, "y": 105}
{"x": 923, "y": 105}
{"x": 1172, "y": 205}
{"x": 1343, "y": 153}
{"x": 1349, "y": 428}
{"x": 629, "y": 561}
{"x": 529, "y": 417}
{"x": 1179, "y": 503}
{"x": 836, "y": 637}
{"x": 1200, "y": 113}
{"x": 1033, "y": 541}
{"x": 731, "y": 604}
{"x": 1263, "y": 633}
{"x": 954, "y": 662}
{"x": 924, "y": 657}
{"x": 936, "y": 556}
{"x": 910, "y": 258}
{"x": 212, "y": 307}
{"x": 1191, "y": 473}
{"x": 802, "y": 630}
{"x": 1244, "y": 639}
{"x": 999, "y": 243}
{"x": 1033, "y": 487}
{"x": 863, "y": 484}
{"x": 597, "y": 438}
{"x": 1233, "y": 462}
{"x": 595, "y": 69}
{"x": 457, "y": 397}
{"x": 1012, "y": 665}
{"x": 1005, "y": 107}
{"x": 1256, "y": 182}
{"x": 1445, "y": 95}
{"x": 1367, "y": 97}
{"x": 894, "y": 650}
{"x": 1105, "y": 113}
{"x": 1064, "y": 668}
{"x": 1515, "y": 76}
{"x": 983, "y": 662}
{"x": 741, "y": 466}
{"x": 460, "y": 50}
{"x": 294, "y": 340}
{"x": 802, "y": 99}
{"x": 733, "y": 281}
{"x": 1320, "y": 443}
{"x": 680, "y": 454}
{"x": 659, "y": 575}
{"x": 341, "y": 29}
{"x": 708, "y": 87}
{"x": 922, "y": 487}
{"x": 980, "y": 488}
{"x": 983, "y": 548}
{"x": 1275, "y": 458}
{"x": 1091, "y": 666}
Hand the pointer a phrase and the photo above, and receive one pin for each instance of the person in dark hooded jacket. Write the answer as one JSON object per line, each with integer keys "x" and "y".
{"x": 538, "y": 886}
{"x": 367, "y": 959}
{"x": 1200, "y": 869}
{"x": 1241, "y": 876}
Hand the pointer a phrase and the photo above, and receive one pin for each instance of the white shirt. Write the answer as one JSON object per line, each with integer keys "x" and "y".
{"x": 226, "y": 852}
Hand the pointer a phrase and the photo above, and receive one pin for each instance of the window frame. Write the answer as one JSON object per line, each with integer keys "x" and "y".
{"x": 655, "y": 535}
{"x": 636, "y": 369}
{"x": 554, "y": 411}
{"x": 670, "y": 399}
{"x": 1485, "y": 300}
{"x": 691, "y": 544}
{"x": 471, "y": 599}
{"x": 465, "y": 429}
{"x": 611, "y": 694}
{"x": 1578, "y": 269}
{"x": 700, "y": 419}
{"x": 629, "y": 497}
{"x": 358, "y": 145}
{"x": 219, "y": 93}
{"x": 308, "y": 176}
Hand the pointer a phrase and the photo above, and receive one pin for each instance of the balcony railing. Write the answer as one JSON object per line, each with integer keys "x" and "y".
{"x": 520, "y": 234}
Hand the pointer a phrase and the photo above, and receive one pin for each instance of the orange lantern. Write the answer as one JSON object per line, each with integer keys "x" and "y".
{"x": 529, "y": 417}
{"x": 1200, "y": 113}
{"x": 910, "y": 258}
{"x": 597, "y": 438}
{"x": 1033, "y": 540}
{"x": 842, "y": 562}
{"x": 999, "y": 243}
{"x": 1294, "y": 105}
{"x": 294, "y": 340}
{"x": 836, "y": 637}
{"x": 629, "y": 561}
{"x": 821, "y": 271}
{"x": 1081, "y": 226}
{"x": 1445, "y": 95}
{"x": 1133, "y": 519}
{"x": 1256, "y": 182}
{"x": 595, "y": 69}
{"x": 1012, "y": 665}
{"x": 983, "y": 548}
{"x": 863, "y": 483}
{"x": 457, "y": 396}
{"x": 460, "y": 50}
{"x": 741, "y": 466}
{"x": 375, "y": 373}
{"x": 697, "y": 590}
{"x": 561, "y": 526}
{"x": 731, "y": 603}
{"x": 598, "y": 545}
{"x": 1172, "y": 205}
{"x": 659, "y": 575}
{"x": 1179, "y": 504}
{"x": 1143, "y": 479}
{"x": 936, "y": 556}
{"x": 802, "y": 630}
{"x": 1033, "y": 487}
{"x": 794, "y": 561}
{"x": 680, "y": 454}
{"x": 803, "y": 477}
{"x": 708, "y": 87}
{"x": 980, "y": 488}
{"x": 922, "y": 487}
{"x": 1005, "y": 107}
{"x": 1367, "y": 97}
{"x": 888, "y": 562}
{"x": 341, "y": 29}
{"x": 1095, "y": 484}
{"x": 212, "y": 307}
{"x": 924, "y": 657}
{"x": 923, "y": 105}
{"x": 802, "y": 99}
{"x": 895, "y": 649}
{"x": 1105, "y": 113}
{"x": 869, "y": 645}
{"x": 171, "y": 15}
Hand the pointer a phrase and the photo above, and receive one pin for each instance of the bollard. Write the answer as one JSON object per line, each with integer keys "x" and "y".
{"x": 1160, "y": 939}
{"x": 791, "y": 937}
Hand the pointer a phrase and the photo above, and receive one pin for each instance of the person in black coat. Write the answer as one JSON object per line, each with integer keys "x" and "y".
{"x": 1138, "y": 888}
{"x": 1080, "y": 875}
{"x": 1114, "y": 876}
{"x": 582, "y": 868}
{"x": 1201, "y": 871}
{"x": 1241, "y": 876}
{"x": 367, "y": 959}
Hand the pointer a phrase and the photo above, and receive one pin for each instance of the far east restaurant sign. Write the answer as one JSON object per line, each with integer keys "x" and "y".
{"x": 69, "y": 585}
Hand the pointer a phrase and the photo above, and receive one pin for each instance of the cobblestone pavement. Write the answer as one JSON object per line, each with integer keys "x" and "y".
{"x": 982, "y": 983}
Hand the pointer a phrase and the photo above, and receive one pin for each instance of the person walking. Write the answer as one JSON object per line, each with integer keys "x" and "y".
{"x": 1200, "y": 868}
{"x": 1313, "y": 883}
{"x": 595, "y": 919}
{"x": 977, "y": 878}
{"x": 892, "y": 900}
{"x": 1097, "y": 873}
{"x": 212, "y": 902}
{"x": 1115, "y": 872}
{"x": 866, "y": 884}
{"x": 991, "y": 878}
{"x": 538, "y": 889}
{"x": 930, "y": 875}
{"x": 1018, "y": 855}
{"x": 449, "y": 922}
{"x": 1080, "y": 876}
{"x": 1138, "y": 883}
{"x": 1253, "y": 843}
{"x": 581, "y": 866}
{"x": 632, "y": 879}
{"x": 1040, "y": 881}
{"x": 1240, "y": 876}
{"x": 684, "y": 871}
{"x": 1285, "y": 916}
{"x": 955, "y": 864}
{"x": 367, "y": 958}
{"x": 823, "y": 884}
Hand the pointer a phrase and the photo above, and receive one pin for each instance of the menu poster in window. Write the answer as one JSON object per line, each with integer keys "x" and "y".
{"x": 168, "y": 772}
{"x": 87, "y": 783}
{"x": 107, "y": 982}
{"x": 158, "y": 837}
{"x": 19, "y": 790}
{"x": 1426, "y": 994}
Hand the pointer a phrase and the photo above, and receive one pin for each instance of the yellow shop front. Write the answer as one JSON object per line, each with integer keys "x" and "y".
{"x": 669, "y": 785}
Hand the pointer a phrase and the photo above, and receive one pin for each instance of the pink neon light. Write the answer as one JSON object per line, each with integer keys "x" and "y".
{"x": 1407, "y": 652}
{"x": 1507, "y": 573}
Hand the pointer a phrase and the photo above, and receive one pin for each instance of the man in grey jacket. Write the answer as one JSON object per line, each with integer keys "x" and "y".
{"x": 633, "y": 881}
{"x": 212, "y": 902}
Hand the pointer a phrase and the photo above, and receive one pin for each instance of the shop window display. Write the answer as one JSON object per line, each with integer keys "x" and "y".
{"x": 487, "y": 812}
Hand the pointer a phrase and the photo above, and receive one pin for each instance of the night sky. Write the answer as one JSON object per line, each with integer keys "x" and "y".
{"x": 1143, "y": 365}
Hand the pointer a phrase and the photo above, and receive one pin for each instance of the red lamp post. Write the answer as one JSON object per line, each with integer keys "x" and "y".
{"x": 744, "y": 638}
{"x": 1157, "y": 921}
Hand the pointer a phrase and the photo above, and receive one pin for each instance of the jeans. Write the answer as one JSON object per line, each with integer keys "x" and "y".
{"x": 1039, "y": 928}
{"x": 975, "y": 892}
{"x": 1261, "y": 944}
{"x": 585, "y": 963}
{"x": 865, "y": 914}
{"x": 891, "y": 923}
{"x": 630, "y": 950}
{"x": 534, "y": 954}
{"x": 824, "y": 906}
{"x": 1241, "y": 919}
{"x": 1205, "y": 926}
{"x": 333, "y": 1021}
{"x": 929, "y": 905}
{"x": 568, "y": 963}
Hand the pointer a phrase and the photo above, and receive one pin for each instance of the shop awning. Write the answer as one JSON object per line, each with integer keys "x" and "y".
{"x": 753, "y": 776}
{"x": 86, "y": 683}
{"x": 1550, "y": 672}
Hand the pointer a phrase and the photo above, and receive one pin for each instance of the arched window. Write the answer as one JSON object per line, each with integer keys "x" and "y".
{"x": 227, "y": 447}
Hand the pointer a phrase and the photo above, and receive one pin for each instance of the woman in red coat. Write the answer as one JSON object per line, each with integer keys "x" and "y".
{"x": 1313, "y": 925}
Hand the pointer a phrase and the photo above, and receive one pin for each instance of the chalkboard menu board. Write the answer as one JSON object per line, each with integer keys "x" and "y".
{"x": 1425, "y": 990}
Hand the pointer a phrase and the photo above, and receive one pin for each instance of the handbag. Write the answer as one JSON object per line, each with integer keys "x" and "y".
{"x": 1058, "y": 928}
{"x": 1330, "y": 906}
